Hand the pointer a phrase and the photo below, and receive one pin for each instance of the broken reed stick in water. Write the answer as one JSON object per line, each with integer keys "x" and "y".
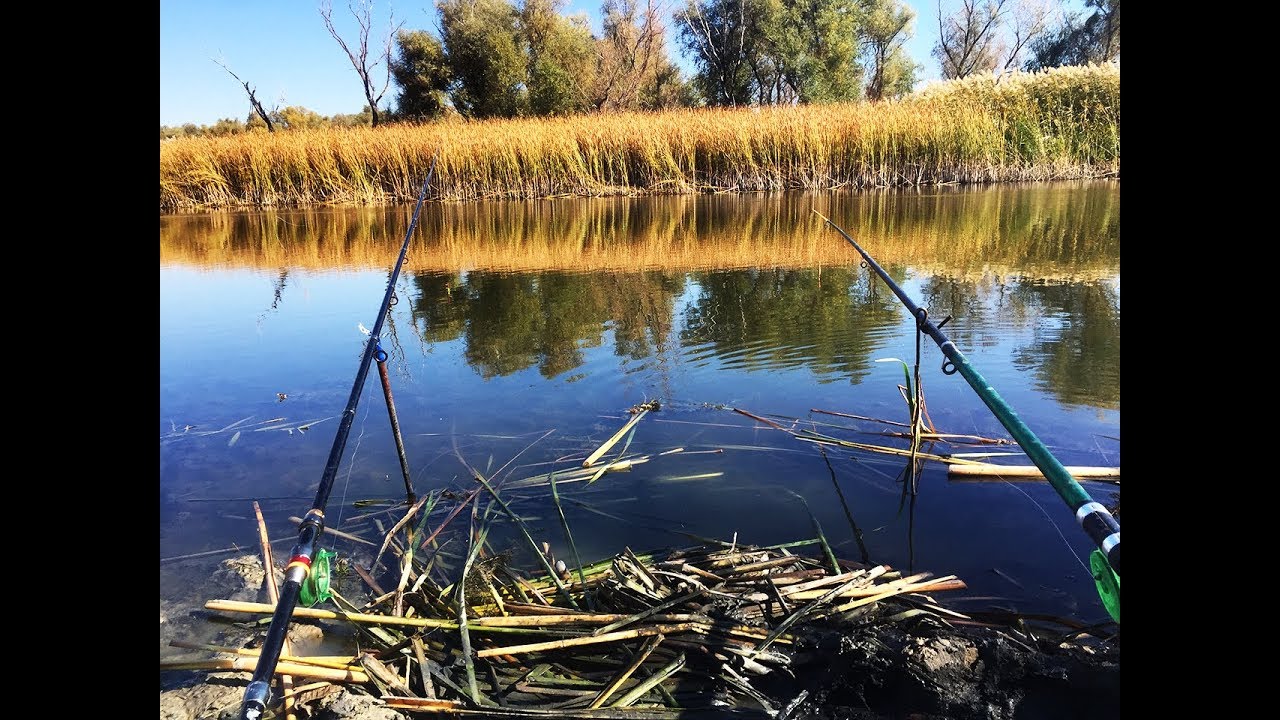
{"x": 463, "y": 632}
{"x": 334, "y": 662}
{"x": 600, "y": 451}
{"x": 757, "y": 418}
{"x": 564, "y": 523}
{"x": 364, "y": 618}
{"x": 223, "y": 551}
{"x": 403, "y": 521}
{"x": 1029, "y": 472}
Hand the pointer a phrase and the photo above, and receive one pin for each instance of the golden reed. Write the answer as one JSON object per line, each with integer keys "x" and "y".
{"x": 1056, "y": 124}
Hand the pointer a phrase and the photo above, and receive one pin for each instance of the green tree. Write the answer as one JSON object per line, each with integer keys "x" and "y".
{"x": 561, "y": 58}
{"x": 226, "y": 126}
{"x": 1077, "y": 41}
{"x": 774, "y": 51}
{"x": 421, "y": 71}
{"x": 887, "y": 25}
{"x": 364, "y": 118}
{"x": 296, "y": 117}
{"x": 828, "y": 32}
{"x": 483, "y": 44}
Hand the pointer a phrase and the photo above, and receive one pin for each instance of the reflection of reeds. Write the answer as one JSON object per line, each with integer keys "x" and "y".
{"x": 1059, "y": 123}
{"x": 1070, "y": 228}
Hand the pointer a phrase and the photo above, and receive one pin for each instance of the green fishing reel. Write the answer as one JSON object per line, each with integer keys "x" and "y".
{"x": 315, "y": 588}
{"x": 1108, "y": 583}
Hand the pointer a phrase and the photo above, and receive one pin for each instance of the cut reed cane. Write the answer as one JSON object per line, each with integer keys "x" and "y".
{"x": 587, "y": 640}
{"x": 600, "y": 451}
{"x": 639, "y": 691}
{"x": 623, "y": 676}
{"x": 247, "y": 664}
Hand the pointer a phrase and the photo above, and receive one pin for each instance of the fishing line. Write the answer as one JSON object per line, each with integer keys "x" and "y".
{"x": 1053, "y": 523}
{"x": 342, "y": 506}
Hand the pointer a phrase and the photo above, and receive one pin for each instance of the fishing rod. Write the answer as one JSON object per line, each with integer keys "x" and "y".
{"x": 1093, "y": 517}
{"x": 256, "y": 694}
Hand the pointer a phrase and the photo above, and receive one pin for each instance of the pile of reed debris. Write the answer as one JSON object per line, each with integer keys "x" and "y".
{"x": 636, "y": 636}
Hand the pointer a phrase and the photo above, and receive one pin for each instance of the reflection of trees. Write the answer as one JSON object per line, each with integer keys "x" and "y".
{"x": 828, "y": 320}
{"x": 440, "y": 306}
{"x": 1075, "y": 349}
{"x": 642, "y": 308}
{"x": 511, "y": 322}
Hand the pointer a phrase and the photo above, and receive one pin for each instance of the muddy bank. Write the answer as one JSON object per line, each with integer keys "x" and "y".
{"x": 866, "y": 676}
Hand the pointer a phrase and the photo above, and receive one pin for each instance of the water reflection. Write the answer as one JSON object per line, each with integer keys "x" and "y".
{"x": 633, "y": 272}
{"x": 826, "y": 320}
{"x": 521, "y": 317}
{"x": 1075, "y": 350}
{"x": 1067, "y": 229}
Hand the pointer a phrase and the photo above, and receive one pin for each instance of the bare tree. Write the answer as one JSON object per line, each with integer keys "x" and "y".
{"x": 629, "y": 51}
{"x": 362, "y": 11}
{"x": 1028, "y": 20}
{"x": 253, "y": 98}
{"x": 977, "y": 36}
{"x": 712, "y": 42}
{"x": 968, "y": 39}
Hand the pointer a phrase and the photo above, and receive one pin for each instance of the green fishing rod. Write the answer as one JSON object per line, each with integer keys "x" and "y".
{"x": 299, "y": 568}
{"x": 1093, "y": 517}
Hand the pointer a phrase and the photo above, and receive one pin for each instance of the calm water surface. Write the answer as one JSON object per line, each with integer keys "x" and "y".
{"x": 535, "y": 326}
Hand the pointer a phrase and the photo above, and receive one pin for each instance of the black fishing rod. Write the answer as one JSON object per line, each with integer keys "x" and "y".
{"x": 1093, "y": 517}
{"x": 255, "y": 696}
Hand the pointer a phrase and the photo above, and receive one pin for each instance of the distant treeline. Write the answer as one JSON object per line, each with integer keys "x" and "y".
{"x": 1059, "y": 123}
{"x": 508, "y": 59}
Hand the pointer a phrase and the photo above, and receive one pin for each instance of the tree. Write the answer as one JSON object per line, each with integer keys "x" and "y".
{"x": 968, "y": 38}
{"x": 362, "y": 10}
{"x": 715, "y": 31}
{"x": 988, "y": 35}
{"x": 1078, "y": 42}
{"x": 483, "y": 45}
{"x": 774, "y": 51}
{"x": 256, "y": 106}
{"x": 296, "y": 117}
{"x": 421, "y": 71}
{"x": 632, "y": 58}
{"x": 561, "y": 58}
{"x": 818, "y": 49}
{"x": 1028, "y": 20}
{"x": 886, "y": 27}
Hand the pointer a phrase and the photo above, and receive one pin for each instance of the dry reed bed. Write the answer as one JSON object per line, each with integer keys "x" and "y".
{"x": 1061, "y": 123}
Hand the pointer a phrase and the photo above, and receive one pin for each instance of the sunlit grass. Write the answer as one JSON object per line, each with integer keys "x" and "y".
{"x": 1062, "y": 123}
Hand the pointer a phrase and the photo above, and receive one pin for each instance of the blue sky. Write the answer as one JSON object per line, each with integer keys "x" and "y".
{"x": 281, "y": 47}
